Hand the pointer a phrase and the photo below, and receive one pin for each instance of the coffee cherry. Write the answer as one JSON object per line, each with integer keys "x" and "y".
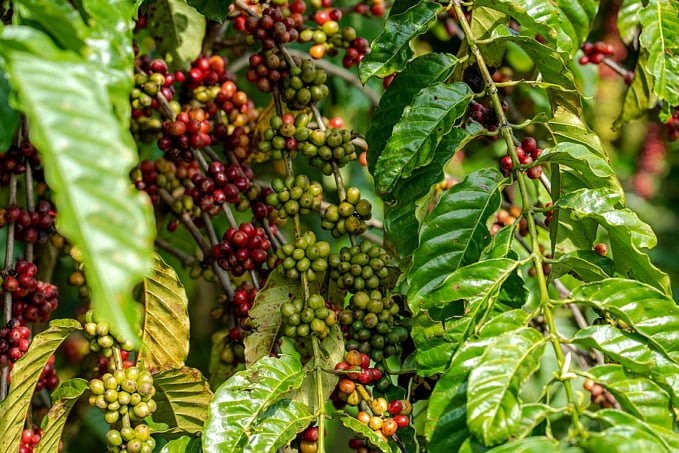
{"x": 601, "y": 249}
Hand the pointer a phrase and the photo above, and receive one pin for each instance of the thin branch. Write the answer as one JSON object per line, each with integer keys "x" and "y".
{"x": 185, "y": 258}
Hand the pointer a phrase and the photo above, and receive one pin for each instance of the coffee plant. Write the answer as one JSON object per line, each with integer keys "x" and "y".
{"x": 338, "y": 225}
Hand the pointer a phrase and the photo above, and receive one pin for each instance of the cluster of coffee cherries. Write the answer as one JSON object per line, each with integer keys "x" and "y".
{"x": 189, "y": 130}
{"x": 486, "y": 116}
{"x": 356, "y": 372}
{"x": 387, "y": 417}
{"x": 349, "y": 216}
{"x": 223, "y": 184}
{"x": 124, "y": 392}
{"x": 14, "y": 342}
{"x": 308, "y": 440}
{"x": 294, "y": 196}
{"x": 361, "y": 267}
{"x": 313, "y": 318}
{"x": 368, "y": 325}
{"x": 16, "y": 159}
{"x": 527, "y": 153}
{"x": 673, "y": 126}
{"x": 106, "y": 364}
{"x": 306, "y": 255}
{"x": 48, "y": 377}
{"x": 29, "y": 439}
{"x": 242, "y": 249}
{"x": 549, "y": 214}
{"x": 131, "y": 440}
{"x": 206, "y": 71}
{"x": 595, "y": 53}
{"x": 267, "y": 68}
{"x": 148, "y": 86}
{"x": 330, "y": 146}
{"x": 375, "y": 8}
{"x": 286, "y": 134}
{"x": 506, "y": 217}
{"x": 305, "y": 84}
{"x": 30, "y": 227}
{"x": 599, "y": 394}
{"x": 273, "y": 27}
{"x": 101, "y": 339}
{"x": 32, "y": 300}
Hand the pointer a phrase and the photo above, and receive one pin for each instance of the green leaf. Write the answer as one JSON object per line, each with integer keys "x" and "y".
{"x": 612, "y": 417}
{"x": 535, "y": 445}
{"x": 64, "y": 400}
{"x": 640, "y": 97}
{"x": 624, "y": 439}
{"x": 659, "y": 27}
{"x": 588, "y": 265}
{"x": 642, "y": 307}
{"x": 567, "y": 126}
{"x": 24, "y": 376}
{"x": 627, "y": 234}
{"x": 433, "y": 350}
{"x": 390, "y": 51}
{"x": 239, "y": 403}
{"x": 485, "y": 20}
{"x": 178, "y": 30}
{"x": 420, "y": 73}
{"x": 628, "y": 20}
{"x": 266, "y": 315}
{"x": 99, "y": 211}
{"x": 165, "y": 335}
{"x": 501, "y": 244}
{"x": 184, "y": 444}
{"x": 532, "y": 414}
{"x": 183, "y": 396}
{"x": 475, "y": 281}
{"x": 494, "y": 408}
{"x": 637, "y": 395}
{"x": 10, "y": 117}
{"x": 592, "y": 169}
{"x": 58, "y": 18}
{"x": 280, "y": 424}
{"x": 455, "y": 232}
{"x": 400, "y": 218}
{"x": 416, "y": 136}
{"x": 620, "y": 346}
{"x": 364, "y": 432}
{"x": 216, "y": 10}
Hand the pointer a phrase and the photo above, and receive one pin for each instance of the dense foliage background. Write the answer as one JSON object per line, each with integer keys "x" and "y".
{"x": 326, "y": 225}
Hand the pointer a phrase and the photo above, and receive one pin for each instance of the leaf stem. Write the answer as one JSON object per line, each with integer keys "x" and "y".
{"x": 506, "y": 131}
{"x": 319, "y": 394}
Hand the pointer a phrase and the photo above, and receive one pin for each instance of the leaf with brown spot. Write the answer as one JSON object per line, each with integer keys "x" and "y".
{"x": 165, "y": 337}
{"x": 183, "y": 396}
{"x": 65, "y": 398}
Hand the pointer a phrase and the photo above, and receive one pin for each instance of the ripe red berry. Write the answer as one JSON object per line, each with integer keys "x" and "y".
{"x": 506, "y": 163}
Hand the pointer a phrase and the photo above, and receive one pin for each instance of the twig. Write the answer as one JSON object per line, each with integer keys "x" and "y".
{"x": 186, "y": 220}
{"x": 185, "y": 258}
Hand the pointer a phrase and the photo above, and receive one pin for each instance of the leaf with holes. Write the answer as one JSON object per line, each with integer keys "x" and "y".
{"x": 238, "y": 405}
{"x": 183, "y": 397}
{"x": 64, "y": 400}
{"x": 165, "y": 335}
{"x": 24, "y": 377}
{"x": 390, "y": 51}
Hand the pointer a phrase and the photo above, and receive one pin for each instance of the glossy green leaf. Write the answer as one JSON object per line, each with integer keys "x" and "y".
{"x": 642, "y": 307}
{"x": 474, "y": 281}
{"x": 178, "y": 30}
{"x": 635, "y": 394}
{"x": 433, "y": 350}
{"x": 99, "y": 211}
{"x": 640, "y": 97}
{"x": 587, "y": 265}
{"x": 24, "y": 377}
{"x": 416, "y": 136}
{"x": 659, "y": 27}
{"x": 64, "y": 399}
{"x": 266, "y": 315}
{"x": 10, "y": 117}
{"x": 548, "y": 61}
{"x": 400, "y": 218}
{"x": 567, "y": 126}
{"x": 420, "y": 73}
{"x": 165, "y": 335}
{"x": 532, "y": 414}
{"x": 446, "y": 420}
{"x": 494, "y": 407}
{"x": 216, "y": 10}
{"x": 390, "y": 51}
{"x": 485, "y": 20}
{"x": 612, "y": 417}
{"x": 58, "y": 18}
{"x": 501, "y": 244}
{"x": 364, "y": 432}
{"x": 240, "y": 402}
{"x": 624, "y": 439}
{"x": 280, "y": 424}
{"x": 628, "y": 20}
{"x": 183, "y": 396}
{"x": 535, "y": 445}
{"x": 455, "y": 232}
{"x": 627, "y": 234}
{"x": 183, "y": 444}
{"x": 591, "y": 168}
